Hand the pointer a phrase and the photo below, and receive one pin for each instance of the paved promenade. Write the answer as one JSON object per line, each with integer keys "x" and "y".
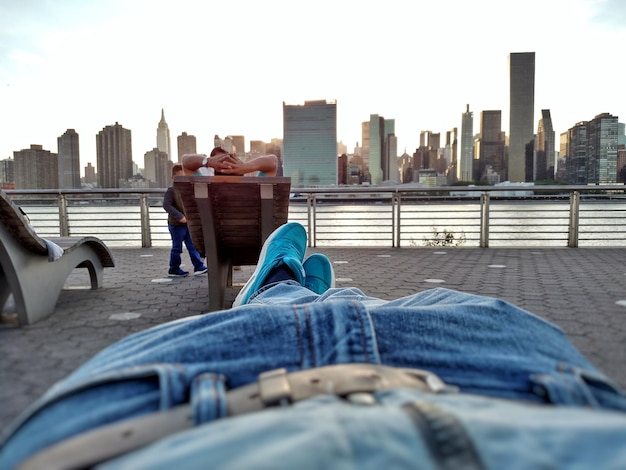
{"x": 582, "y": 290}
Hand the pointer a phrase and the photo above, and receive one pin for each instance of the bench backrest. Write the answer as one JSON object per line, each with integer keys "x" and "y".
{"x": 237, "y": 212}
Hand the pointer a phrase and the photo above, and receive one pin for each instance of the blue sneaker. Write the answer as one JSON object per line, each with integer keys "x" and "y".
{"x": 320, "y": 275}
{"x": 201, "y": 270}
{"x": 285, "y": 245}
{"x": 177, "y": 273}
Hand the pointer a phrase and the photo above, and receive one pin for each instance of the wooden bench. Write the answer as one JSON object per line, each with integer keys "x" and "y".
{"x": 229, "y": 218}
{"x": 29, "y": 271}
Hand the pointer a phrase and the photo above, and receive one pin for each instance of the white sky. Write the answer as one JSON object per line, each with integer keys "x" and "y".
{"x": 226, "y": 67}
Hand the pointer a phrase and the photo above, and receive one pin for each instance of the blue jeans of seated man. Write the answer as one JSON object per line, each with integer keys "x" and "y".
{"x": 180, "y": 234}
{"x": 489, "y": 348}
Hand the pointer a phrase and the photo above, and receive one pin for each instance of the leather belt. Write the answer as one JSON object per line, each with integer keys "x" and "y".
{"x": 274, "y": 388}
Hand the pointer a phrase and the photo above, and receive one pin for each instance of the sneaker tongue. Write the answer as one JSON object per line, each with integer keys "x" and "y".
{"x": 296, "y": 266}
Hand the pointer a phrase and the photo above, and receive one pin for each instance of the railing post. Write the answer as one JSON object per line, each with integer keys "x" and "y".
{"x": 484, "y": 220}
{"x": 146, "y": 237}
{"x": 574, "y": 204}
{"x": 64, "y": 225}
{"x": 395, "y": 211}
{"x": 310, "y": 207}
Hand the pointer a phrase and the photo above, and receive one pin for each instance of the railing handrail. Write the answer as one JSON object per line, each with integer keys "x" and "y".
{"x": 398, "y": 223}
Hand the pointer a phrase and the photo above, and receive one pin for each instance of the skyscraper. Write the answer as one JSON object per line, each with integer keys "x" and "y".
{"x": 545, "y": 156}
{"x": 163, "y": 136}
{"x": 36, "y": 168}
{"x": 602, "y": 149}
{"x": 114, "y": 156}
{"x": 490, "y": 147}
{"x": 186, "y": 144}
{"x": 69, "y": 160}
{"x": 521, "y": 112}
{"x": 157, "y": 168}
{"x": 464, "y": 168}
{"x": 310, "y": 143}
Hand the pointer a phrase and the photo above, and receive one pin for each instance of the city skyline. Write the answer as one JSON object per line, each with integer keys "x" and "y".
{"x": 61, "y": 68}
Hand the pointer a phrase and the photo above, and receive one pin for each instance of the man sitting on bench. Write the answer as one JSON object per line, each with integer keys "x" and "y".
{"x": 220, "y": 162}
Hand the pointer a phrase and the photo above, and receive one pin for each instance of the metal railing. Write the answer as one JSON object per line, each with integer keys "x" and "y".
{"x": 394, "y": 216}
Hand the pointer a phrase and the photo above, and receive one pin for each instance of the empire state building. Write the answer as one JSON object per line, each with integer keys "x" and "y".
{"x": 163, "y": 136}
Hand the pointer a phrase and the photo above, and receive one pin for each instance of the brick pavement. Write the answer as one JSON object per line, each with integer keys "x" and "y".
{"x": 582, "y": 290}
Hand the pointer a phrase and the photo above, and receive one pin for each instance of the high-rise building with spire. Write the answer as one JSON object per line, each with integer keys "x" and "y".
{"x": 464, "y": 168}
{"x": 163, "y": 136}
{"x": 69, "y": 160}
{"x": 521, "y": 112}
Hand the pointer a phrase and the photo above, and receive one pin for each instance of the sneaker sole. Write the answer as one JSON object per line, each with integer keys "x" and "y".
{"x": 259, "y": 265}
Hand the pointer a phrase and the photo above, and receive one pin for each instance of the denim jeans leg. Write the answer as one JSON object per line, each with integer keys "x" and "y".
{"x": 196, "y": 260}
{"x": 178, "y": 235}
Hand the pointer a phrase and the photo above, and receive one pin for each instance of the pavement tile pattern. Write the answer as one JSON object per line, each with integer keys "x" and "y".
{"x": 582, "y": 290}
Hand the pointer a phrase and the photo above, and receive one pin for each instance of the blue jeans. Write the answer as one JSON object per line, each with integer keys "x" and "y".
{"x": 180, "y": 234}
{"x": 526, "y": 395}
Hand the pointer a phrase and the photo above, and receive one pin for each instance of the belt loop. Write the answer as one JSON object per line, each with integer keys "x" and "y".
{"x": 208, "y": 398}
{"x": 274, "y": 388}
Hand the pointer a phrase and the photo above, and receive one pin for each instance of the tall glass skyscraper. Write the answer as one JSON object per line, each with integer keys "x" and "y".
{"x": 521, "y": 112}
{"x": 310, "y": 143}
{"x": 464, "y": 168}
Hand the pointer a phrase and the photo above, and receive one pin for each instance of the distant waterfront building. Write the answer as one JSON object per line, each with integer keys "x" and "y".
{"x": 521, "y": 112}
{"x": 157, "y": 168}
{"x": 186, "y": 144}
{"x": 163, "y": 136}
{"x": 602, "y": 153}
{"x": 90, "y": 174}
{"x": 490, "y": 148}
{"x": 545, "y": 156}
{"x": 7, "y": 173}
{"x": 36, "y": 168}
{"x": 69, "y": 160}
{"x": 310, "y": 143}
{"x": 592, "y": 148}
{"x": 257, "y": 147}
{"x": 450, "y": 154}
{"x": 464, "y": 168}
{"x": 239, "y": 144}
{"x": 114, "y": 156}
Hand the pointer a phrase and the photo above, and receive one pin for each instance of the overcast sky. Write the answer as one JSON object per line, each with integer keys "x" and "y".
{"x": 226, "y": 67}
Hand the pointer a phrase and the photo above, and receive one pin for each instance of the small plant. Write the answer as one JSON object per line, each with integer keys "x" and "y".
{"x": 444, "y": 238}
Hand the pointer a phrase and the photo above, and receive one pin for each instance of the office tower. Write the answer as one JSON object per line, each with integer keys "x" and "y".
{"x": 545, "y": 156}
{"x": 69, "y": 160}
{"x": 464, "y": 168}
{"x": 450, "y": 154}
{"x": 7, "y": 173}
{"x": 490, "y": 148}
{"x": 376, "y": 148}
{"x": 576, "y": 159}
{"x": 163, "y": 136}
{"x": 157, "y": 167}
{"x": 365, "y": 146}
{"x": 114, "y": 156}
{"x": 186, "y": 144}
{"x": 521, "y": 112}
{"x": 602, "y": 149}
{"x": 257, "y": 147}
{"x": 310, "y": 143}
{"x": 429, "y": 149}
{"x": 390, "y": 153}
{"x": 36, "y": 168}
{"x": 90, "y": 174}
{"x": 239, "y": 143}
